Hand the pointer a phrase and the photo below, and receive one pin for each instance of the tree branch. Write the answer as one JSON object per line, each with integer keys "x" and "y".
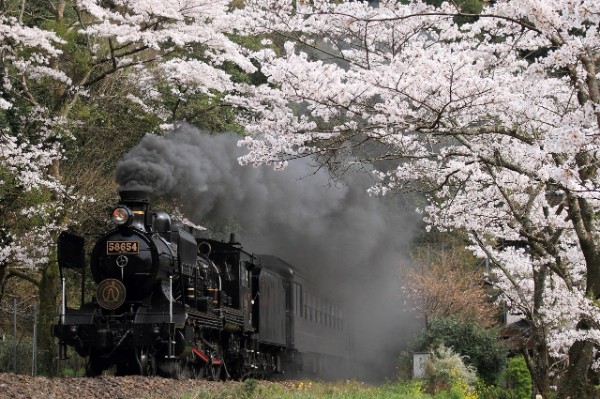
{"x": 23, "y": 276}
{"x": 521, "y": 23}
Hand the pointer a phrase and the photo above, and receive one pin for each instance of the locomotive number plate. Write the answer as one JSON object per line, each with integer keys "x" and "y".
{"x": 122, "y": 247}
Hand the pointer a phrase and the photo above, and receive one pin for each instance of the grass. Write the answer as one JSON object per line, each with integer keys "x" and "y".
{"x": 253, "y": 389}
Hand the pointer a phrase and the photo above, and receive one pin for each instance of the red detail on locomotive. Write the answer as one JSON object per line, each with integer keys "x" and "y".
{"x": 200, "y": 354}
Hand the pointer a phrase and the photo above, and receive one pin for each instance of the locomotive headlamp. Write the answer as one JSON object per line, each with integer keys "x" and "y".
{"x": 122, "y": 216}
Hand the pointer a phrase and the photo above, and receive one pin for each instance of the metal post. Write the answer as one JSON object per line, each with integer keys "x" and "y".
{"x": 82, "y": 285}
{"x": 15, "y": 335}
{"x": 64, "y": 303}
{"x": 171, "y": 299}
{"x": 34, "y": 343}
{"x": 171, "y": 334}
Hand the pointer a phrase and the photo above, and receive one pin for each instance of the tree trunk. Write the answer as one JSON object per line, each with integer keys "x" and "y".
{"x": 3, "y": 268}
{"x": 538, "y": 363}
{"x": 49, "y": 283}
{"x": 575, "y": 383}
{"x": 48, "y": 316}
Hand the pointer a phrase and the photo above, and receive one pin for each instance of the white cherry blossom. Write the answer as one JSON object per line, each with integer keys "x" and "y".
{"x": 498, "y": 119}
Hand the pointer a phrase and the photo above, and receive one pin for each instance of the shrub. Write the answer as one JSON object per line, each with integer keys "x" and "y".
{"x": 446, "y": 370}
{"x": 479, "y": 346}
{"x": 514, "y": 382}
{"x": 517, "y": 379}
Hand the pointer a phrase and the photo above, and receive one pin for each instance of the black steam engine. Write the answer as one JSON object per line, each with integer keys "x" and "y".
{"x": 172, "y": 303}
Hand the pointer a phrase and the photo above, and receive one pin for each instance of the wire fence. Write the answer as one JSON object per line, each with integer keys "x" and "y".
{"x": 20, "y": 352}
{"x": 18, "y": 341}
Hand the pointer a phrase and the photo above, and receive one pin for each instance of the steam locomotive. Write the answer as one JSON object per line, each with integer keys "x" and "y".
{"x": 172, "y": 303}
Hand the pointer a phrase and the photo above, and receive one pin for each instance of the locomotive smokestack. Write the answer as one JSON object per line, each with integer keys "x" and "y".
{"x": 137, "y": 201}
{"x": 134, "y": 196}
{"x": 233, "y": 239}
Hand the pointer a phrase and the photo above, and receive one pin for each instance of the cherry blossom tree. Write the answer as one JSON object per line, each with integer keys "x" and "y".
{"x": 496, "y": 119}
{"x": 27, "y": 148}
{"x": 177, "y": 50}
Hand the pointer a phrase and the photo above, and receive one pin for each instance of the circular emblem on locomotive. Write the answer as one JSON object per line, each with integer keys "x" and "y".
{"x": 122, "y": 261}
{"x": 110, "y": 293}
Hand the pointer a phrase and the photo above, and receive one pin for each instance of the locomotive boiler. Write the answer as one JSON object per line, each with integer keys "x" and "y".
{"x": 168, "y": 301}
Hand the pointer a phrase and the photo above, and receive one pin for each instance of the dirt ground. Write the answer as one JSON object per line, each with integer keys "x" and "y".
{"x": 27, "y": 387}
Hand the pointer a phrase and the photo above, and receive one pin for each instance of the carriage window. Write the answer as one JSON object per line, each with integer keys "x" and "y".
{"x": 330, "y": 317}
{"x": 244, "y": 275}
{"x": 319, "y": 316}
{"x": 318, "y": 311}
{"x": 298, "y": 305}
{"x": 296, "y": 300}
{"x": 320, "y": 306}
{"x": 321, "y": 312}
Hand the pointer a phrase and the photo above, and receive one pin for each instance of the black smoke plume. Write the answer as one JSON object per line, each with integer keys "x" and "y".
{"x": 334, "y": 233}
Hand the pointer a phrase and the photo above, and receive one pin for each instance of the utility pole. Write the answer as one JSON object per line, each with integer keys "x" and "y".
{"x": 15, "y": 335}
{"x": 34, "y": 342}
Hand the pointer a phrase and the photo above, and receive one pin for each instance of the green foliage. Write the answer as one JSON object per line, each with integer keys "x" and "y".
{"x": 404, "y": 368}
{"x": 514, "y": 382}
{"x": 76, "y": 58}
{"x": 252, "y": 389}
{"x": 435, "y": 246}
{"x": 69, "y": 372}
{"x": 458, "y": 390}
{"x": 517, "y": 379}
{"x": 23, "y": 355}
{"x": 204, "y": 111}
{"x": 479, "y": 346}
{"x": 485, "y": 391}
{"x": 469, "y": 7}
{"x": 465, "y": 6}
